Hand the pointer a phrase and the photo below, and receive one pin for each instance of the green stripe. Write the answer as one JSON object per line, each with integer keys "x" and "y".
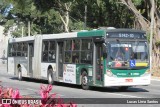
{"x": 92, "y": 33}
{"x": 129, "y": 73}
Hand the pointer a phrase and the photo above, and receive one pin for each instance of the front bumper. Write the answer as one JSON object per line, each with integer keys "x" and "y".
{"x": 127, "y": 81}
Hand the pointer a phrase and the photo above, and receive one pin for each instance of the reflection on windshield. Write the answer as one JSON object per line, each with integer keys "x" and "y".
{"x": 121, "y": 54}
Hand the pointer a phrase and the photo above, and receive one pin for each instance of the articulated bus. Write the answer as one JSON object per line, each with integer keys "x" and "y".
{"x": 102, "y": 58}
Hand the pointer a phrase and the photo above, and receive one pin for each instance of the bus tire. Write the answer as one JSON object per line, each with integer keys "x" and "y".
{"x": 50, "y": 77}
{"x": 84, "y": 80}
{"x": 19, "y": 74}
{"x": 123, "y": 88}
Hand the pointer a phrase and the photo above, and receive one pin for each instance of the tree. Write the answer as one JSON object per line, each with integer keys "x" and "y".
{"x": 144, "y": 19}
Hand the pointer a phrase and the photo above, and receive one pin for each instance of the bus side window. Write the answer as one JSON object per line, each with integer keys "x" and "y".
{"x": 68, "y": 51}
{"x": 76, "y": 44}
{"x": 86, "y": 51}
{"x": 25, "y": 49}
{"x": 14, "y": 49}
{"x": 68, "y": 57}
{"x": 45, "y": 51}
{"x": 19, "y": 49}
{"x": 76, "y": 50}
{"x": 10, "y": 49}
{"x": 75, "y": 57}
{"x": 52, "y": 53}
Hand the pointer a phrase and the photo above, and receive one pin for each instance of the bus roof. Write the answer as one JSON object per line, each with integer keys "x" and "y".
{"x": 28, "y": 38}
{"x": 92, "y": 33}
{"x": 59, "y": 35}
{"x": 125, "y": 30}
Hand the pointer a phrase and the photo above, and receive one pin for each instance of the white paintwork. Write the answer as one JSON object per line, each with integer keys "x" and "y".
{"x": 13, "y": 40}
{"x": 59, "y": 36}
{"x": 44, "y": 68}
{"x": 37, "y": 56}
{"x": 24, "y": 67}
{"x": 11, "y": 65}
{"x": 114, "y": 81}
{"x": 69, "y": 74}
{"x": 33, "y": 64}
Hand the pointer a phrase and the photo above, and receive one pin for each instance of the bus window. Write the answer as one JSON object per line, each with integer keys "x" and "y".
{"x": 86, "y": 51}
{"x": 19, "y": 49}
{"x": 45, "y": 51}
{"x": 68, "y": 58}
{"x": 31, "y": 46}
{"x": 75, "y": 50}
{"x": 25, "y": 49}
{"x": 52, "y": 53}
{"x": 10, "y": 49}
{"x": 75, "y": 57}
{"x": 86, "y": 44}
{"x": 76, "y": 45}
{"x": 14, "y": 49}
{"x": 68, "y": 45}
{"x": 86, "y": 57}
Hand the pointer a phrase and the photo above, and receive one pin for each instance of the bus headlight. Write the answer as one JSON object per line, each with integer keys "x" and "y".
{"x": 109, "y": 73}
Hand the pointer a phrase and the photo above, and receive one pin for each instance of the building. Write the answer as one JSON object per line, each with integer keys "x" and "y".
{"x": 3, "y": 44}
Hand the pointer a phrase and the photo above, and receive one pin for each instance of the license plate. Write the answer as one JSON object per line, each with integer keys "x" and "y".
{"x": 129, "y": 80}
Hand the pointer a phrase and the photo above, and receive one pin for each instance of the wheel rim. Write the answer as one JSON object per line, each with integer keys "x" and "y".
{"x": 50, "y": 78}
{"x": 84, "y": 80}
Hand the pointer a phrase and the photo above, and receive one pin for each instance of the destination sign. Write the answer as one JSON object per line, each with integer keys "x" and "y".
{"x": 125, "y": 35}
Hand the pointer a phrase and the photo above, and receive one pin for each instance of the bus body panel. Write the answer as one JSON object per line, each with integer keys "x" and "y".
{"x": 11, "y": 65}
{"x": 59, "y": 36}
{"x": 69, "y": 73}
{"x": 84, "y": 67}
{"x": 24, "y": 66}
{"x": 37, "y": 56}
{"x": 44, "y": 68}
{"x": 127, "y": 81}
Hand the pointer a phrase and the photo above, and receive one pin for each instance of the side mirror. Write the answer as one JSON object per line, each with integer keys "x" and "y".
{"x": 104, "y": 48}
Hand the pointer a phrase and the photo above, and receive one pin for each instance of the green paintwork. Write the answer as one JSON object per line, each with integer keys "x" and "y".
{"x": 129, "y": 73}
{"x": 79, "y": 67}
{"x": 92, "y": 33}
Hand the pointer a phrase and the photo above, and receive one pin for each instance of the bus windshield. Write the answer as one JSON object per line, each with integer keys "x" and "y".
{"x": 128, "y": 54}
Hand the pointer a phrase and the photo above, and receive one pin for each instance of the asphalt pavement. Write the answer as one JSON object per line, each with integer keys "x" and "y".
{"x": 31, "y": 87}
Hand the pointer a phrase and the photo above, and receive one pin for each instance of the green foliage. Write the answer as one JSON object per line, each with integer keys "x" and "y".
{"x": 157, "y": 43}
{"x": 44, "y": 14}
{"x": 148, "y": 37}
{"x": 16, "y": 34}
{"x": 76, "y": 25}
{"x": 137, "y": 2}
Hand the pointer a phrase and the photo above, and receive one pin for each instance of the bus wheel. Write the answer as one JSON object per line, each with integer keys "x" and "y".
{"x": 123, "y": 88}
{"x": 19, "y": 74}
{"x": 84, "y": 81}
{"x": 50, "y": 77}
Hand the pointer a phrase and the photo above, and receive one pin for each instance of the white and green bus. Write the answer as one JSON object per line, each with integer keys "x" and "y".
{"x": 103, "y": 58}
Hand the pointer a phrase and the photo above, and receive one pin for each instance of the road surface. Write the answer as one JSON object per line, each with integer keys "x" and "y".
{"x": 31, "y": 87}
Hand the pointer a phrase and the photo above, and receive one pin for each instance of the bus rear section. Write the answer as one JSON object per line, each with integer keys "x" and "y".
{"x": 21, "y": 56}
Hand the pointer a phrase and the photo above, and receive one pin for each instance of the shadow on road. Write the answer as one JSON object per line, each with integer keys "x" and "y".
{"x": 100, "y": 89}
{"x": 115, "y": 89}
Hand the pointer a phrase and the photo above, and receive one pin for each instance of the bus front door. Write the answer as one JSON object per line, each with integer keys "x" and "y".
{"x": 98, "y": 63}
{"x": 30, "y": 55}
{"x": 59, "y": 60}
